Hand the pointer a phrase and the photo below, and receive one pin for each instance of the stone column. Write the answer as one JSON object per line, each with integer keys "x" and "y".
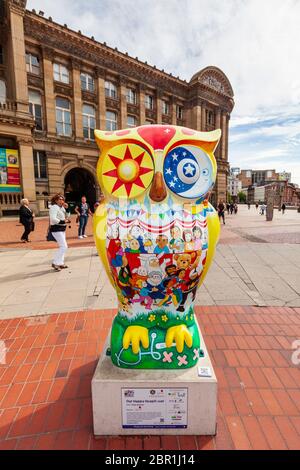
{"x": 77, "y": 101}
{"x": 218, "y": 126}
{"x": 197, "y": 115}
{"x": 142, "y": 104}
{"x": 227, "y": 136}
{"x": 48, "y": 55}
{"x": 56, "y": 185}
{"x": 27, "y": 168}
{"x": 18, "y": 88}
{"x": 203, "y": 117}
{"x": 224, "y": 135}
{"x": 173, "y": 111}
{"x": 123, "y": 91}
{"x": 158, "y": 107}
{"x": 101, "y": 99}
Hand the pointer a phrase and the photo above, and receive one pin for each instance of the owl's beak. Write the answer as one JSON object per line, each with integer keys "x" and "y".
{"x": 158, "y": 191}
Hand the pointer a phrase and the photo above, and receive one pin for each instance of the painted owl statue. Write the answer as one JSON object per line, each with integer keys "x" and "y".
{"x": 156, "y": 234}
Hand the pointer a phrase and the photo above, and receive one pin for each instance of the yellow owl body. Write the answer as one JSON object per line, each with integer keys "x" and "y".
{"x": 156, "y": 235}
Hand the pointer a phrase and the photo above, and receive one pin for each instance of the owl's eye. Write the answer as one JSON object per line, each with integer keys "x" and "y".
{"x": 188, "y": 172}
{"x": 127, "y": 171}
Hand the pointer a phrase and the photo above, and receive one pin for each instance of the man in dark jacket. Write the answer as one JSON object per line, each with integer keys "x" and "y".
{"x": 26, "y": 219}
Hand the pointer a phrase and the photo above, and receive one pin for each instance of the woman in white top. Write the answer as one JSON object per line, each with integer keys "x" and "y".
{"x": 58, "y": 224}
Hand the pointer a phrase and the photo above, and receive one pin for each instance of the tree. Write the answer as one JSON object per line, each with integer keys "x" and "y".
{"x": 242, "y": 197}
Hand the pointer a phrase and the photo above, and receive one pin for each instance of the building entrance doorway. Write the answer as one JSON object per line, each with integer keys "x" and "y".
{"x": 79, "y": 182}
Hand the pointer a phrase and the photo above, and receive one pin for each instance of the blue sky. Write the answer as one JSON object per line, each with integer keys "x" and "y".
{"x": 255, "y": 42}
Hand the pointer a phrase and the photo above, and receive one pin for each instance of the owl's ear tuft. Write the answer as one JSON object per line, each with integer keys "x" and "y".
{"x": 103, "y": 138}
{"x": 211, "y": 139}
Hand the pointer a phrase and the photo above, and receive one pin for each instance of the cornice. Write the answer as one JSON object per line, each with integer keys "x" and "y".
{"x": 65, "y": 40}
{"x": 210, "y": 84}
{"x": 17, "y": 6}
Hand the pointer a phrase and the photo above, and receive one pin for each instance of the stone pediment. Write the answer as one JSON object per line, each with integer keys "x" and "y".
{"x": 214, "y": 78}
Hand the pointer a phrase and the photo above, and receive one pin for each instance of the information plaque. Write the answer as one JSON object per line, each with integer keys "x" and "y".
{"x": 154, "y": 408}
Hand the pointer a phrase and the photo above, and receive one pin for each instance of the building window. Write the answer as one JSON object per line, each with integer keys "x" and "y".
{"x": 61, "y": 73}
{"x": 111, "y": 121}
{"x": 89, "y": 121}
{"x": 32, "y": 64}
{"x": 149, "y": 102}
{"x": 210, "y": 118}
{"x": 2, "y": 91}
{"x": 40, "y": 165}
{"x": 179, "y": 112}
{"x": 1, "y": 55}
{"x": 63, "y": 117}
{"x": 131, "y": 96}
{"x": 110, "y": 90}
{"x": 35, "y": 108}
{"x": 131, "y": 121}
{"x": 148, "y": 123}
{"x": 165, "y": 107}
{"x": 87, "y": 82}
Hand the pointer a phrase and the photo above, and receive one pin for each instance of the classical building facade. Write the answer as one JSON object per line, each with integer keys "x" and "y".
{"x": 57, "y": 85}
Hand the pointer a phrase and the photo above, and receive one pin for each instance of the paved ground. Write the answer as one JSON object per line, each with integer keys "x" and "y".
{"x": 244, "y": 272}
{"x": 45, "y": 395}
{"x": 11, "y": 231}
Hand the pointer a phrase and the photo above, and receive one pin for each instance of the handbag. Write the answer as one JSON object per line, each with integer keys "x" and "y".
{"x": 49, "y": 236}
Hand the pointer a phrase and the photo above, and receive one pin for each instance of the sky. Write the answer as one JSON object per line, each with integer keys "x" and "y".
{"x": 255, "y": 42}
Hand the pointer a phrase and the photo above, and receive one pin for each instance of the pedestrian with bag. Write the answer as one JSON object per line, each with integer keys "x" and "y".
{"x": 58, "y": 225}
{"x": 83, "y": 211}
{"x": 26, "y": 219}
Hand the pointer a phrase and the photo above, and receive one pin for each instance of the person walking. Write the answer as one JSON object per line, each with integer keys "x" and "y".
{"x": 26, "y": 217}
{"x": 58, "y": 224}
{"x": 283, "y": 207}
{"x": 83, "y": 211}
{"x": 221, "y": 211}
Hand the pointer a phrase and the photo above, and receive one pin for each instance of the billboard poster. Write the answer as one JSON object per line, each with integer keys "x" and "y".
{"x": 9, "y": 171}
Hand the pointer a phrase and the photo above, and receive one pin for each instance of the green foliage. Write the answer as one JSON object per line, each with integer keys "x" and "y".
{"x": 242, "y": 197}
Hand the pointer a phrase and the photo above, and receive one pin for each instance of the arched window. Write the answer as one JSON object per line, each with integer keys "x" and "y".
{"x": 2, "y": 91}
{"x": 87, "y": 82}
{"x": 110, "y": 90}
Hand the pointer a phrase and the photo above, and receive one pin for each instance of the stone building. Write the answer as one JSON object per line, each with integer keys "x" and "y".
{"x": 57, "y": 85}
{"x": 257, "y": 177}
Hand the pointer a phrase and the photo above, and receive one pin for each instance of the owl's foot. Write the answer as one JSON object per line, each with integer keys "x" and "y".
{"x": 135, "y": 335}
{"x": 180, "y": 334}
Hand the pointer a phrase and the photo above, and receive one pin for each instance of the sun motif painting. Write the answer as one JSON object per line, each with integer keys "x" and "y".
{"x": 156, "y": 234}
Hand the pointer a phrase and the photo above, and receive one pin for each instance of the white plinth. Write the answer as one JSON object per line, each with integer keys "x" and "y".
{"x": 109, "y": 380}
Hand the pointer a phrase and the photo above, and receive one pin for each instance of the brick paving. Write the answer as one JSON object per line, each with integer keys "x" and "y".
{"x": 11, "y": 231}
{"x": 246, "y": 226}
{"x": 45, "y": 396}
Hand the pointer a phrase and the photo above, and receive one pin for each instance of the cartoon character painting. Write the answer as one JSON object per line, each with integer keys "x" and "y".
{"x": 156, "y": 234}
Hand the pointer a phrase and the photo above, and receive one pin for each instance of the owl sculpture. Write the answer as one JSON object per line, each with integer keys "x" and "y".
{"x": 156, "y": 234}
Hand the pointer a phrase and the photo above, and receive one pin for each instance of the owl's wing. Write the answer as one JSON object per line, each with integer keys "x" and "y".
{"x": 100, "y": 230}
{"x": 213, "y": 226}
